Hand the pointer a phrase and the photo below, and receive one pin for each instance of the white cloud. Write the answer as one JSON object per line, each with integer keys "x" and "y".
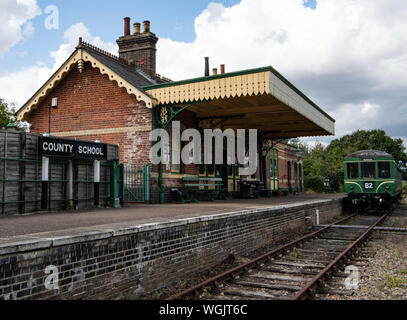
{"x": 337, "y": 36}
{"x": 19, "y": 86}
{"x": 71, "y": 37}
{"x": 15, "y": 16}
{"x": 348, "y": 56}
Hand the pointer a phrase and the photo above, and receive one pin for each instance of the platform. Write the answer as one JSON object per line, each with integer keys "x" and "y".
{"x": 138, "y": 214}
{"x": 105, "y": 253}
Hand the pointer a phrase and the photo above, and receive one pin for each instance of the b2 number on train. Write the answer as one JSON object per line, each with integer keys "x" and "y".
{"x": 368, "y": 185}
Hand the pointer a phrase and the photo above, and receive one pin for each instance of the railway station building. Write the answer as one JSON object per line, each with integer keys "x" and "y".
{"x": 95, "y": 95}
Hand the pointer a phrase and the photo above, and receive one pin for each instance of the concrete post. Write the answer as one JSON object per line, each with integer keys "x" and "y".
{"x": 44, "y": 179}
{"x": 69, "y": 173}
{"x": 96, "y": 180}
{"x": 45, "y": 183}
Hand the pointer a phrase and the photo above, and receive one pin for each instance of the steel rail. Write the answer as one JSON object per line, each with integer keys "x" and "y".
{"x": 307, "y": 290}
{"x": 245, "y": 266}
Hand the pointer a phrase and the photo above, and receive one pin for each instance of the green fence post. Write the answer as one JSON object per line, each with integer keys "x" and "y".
{"x": 114, "y": 185}
{"x": 147, "y": 184}
{"x": 121, "y": 183}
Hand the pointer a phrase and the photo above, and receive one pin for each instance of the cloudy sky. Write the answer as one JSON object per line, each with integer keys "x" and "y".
{"x": 348, "y": 56}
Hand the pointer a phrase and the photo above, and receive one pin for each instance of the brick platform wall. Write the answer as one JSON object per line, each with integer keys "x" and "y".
{"x": 136, "y": 260}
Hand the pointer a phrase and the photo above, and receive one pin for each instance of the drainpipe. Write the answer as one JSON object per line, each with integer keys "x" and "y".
{"x": 157, "y": 125}
{"x": 160, "y": 182}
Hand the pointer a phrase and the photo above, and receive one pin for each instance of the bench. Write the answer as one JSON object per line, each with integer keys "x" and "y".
{"x": 194, "y": 186}
{"x": 220, "y": 191}
{"x": 264, "y": 191}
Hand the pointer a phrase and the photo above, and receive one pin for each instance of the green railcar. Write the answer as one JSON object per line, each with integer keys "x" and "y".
{"x": 372, "y": 179}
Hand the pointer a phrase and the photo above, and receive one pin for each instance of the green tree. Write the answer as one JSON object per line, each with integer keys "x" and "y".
{"x": 6, "y": 113}
{"x": 371, "y": 139}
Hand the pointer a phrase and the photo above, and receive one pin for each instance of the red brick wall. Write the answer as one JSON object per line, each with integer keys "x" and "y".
{"x": 285, "y": 154}
{"x": 89, "y": 100}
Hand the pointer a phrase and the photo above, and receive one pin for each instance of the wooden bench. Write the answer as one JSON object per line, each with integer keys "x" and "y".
{"x": 194, "y": 186}
{"x": 264, "y": 192}
{"x": 220, "y": 192}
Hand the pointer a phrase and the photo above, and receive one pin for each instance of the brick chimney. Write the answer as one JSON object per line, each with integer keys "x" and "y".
{"x": 139, "y": 47}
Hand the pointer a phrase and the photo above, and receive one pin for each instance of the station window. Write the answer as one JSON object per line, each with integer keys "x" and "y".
{"x": 176, "y": 168}
{"x": 353, "y": 171}
{"x": 384, "y": 170}
{"x": 271, "y": 168}
{"x": 368, "y": 169}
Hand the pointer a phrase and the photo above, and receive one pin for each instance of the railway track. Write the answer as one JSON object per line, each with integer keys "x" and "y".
{"x": 297, "y": 270}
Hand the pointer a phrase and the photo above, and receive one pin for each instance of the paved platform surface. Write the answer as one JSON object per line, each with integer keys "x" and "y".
{"x": 11, "y": 226}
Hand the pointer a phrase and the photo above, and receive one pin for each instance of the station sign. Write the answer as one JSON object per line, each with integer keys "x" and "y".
{"x": 67, "y": 148}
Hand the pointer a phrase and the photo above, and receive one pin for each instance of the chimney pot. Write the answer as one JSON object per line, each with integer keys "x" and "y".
{"x": 127, "y": 26}
{"x": 206, "y": 66}
{"x": 146, "y": 26}
{"x": 215, "y": 71}
{"x": 136, "y": 28}
{"x": 222, "y": 69}
{"x": 139, "y": 49}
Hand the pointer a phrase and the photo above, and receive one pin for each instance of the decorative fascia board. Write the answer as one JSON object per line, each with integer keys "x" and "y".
{"x": 216, "y": 88}
{"x": 78, "y": 58}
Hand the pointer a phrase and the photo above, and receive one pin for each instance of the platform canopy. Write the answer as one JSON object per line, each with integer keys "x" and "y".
{"x": 259, "y": 99}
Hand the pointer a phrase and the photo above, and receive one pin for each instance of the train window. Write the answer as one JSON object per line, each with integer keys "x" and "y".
{"x": 384, "y": 170}
{"x": 353, "y": 171}
{"x": 368, "y": 169}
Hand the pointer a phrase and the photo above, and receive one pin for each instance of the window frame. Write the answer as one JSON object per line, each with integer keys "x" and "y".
{"x": 366, "y": 163}
{"x": 388, "y": 170}
{"x": 348, "y": 171}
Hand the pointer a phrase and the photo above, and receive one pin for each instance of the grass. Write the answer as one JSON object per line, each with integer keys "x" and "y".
{"x": 398, "y": 254}
{"x": 394, "y": 282}
{"x": 294, "y": 254}
{"x": 402, "y": 271}
{"x": 206, "y": 293}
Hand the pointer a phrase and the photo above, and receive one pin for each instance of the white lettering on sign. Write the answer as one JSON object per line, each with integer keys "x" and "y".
{"x": 57, "y": 147}
{"x": 90, "y": 150}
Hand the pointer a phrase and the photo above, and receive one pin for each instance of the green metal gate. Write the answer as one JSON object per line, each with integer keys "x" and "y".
{"x": 135, "y": 182}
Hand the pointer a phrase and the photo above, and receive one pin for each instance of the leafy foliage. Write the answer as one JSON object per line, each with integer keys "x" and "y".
{"x": 315, "y": 183}
{"x": 6, "y": 113}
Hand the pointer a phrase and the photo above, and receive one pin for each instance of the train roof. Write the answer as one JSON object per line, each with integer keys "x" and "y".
{"x": 368, "y": 154}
